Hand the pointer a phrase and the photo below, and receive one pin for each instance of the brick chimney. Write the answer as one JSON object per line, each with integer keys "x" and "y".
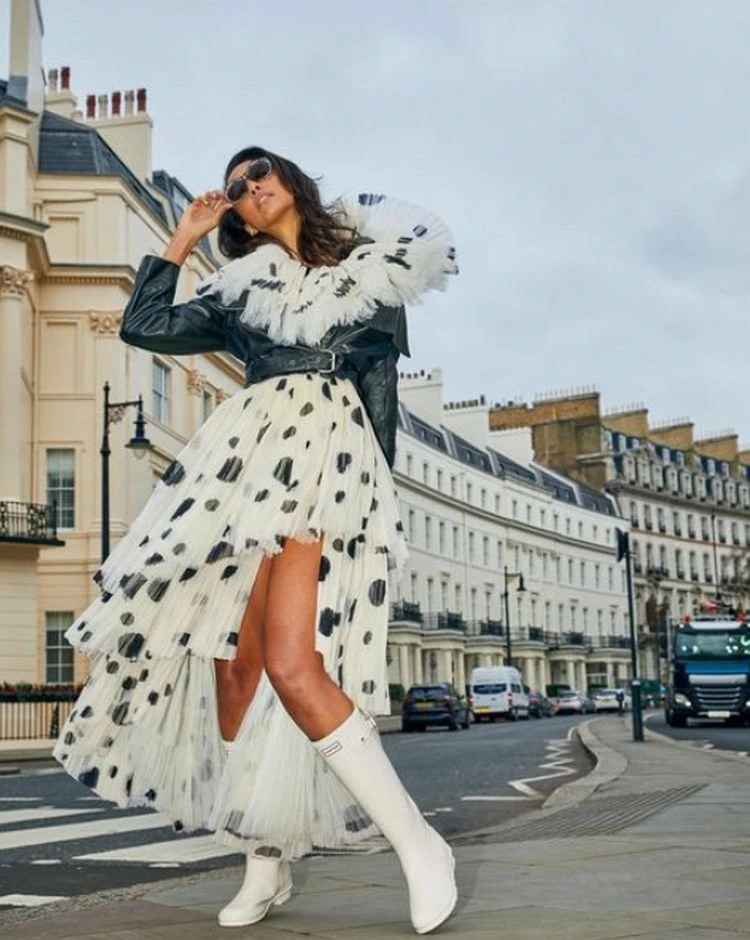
{"x": 58, "y": 97}
{"x": 127, "y": 130}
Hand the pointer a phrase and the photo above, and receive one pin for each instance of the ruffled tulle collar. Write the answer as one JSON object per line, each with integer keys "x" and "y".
{"x": 407, "y": 251}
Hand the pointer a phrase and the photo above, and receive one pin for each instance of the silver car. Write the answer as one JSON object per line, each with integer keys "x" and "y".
{"x": 571, "y": 702}
{"x": 609, "y": 700}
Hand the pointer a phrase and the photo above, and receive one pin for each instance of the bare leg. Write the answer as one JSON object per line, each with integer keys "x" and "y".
{"x": 237, "y": 679}
{"x": 316, "y": 704}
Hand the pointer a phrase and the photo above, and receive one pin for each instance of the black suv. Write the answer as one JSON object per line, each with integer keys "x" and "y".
{"x": 434, "y": 704}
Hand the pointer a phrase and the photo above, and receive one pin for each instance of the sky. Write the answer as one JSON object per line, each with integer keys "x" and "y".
{"x": 592, "y": 158}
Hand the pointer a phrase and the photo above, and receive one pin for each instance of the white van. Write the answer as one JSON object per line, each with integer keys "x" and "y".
{"x": 498, "y": 692}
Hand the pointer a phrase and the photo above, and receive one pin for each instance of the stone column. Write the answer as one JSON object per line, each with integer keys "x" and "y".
{"x": 418, "y": 672}
{"x": 14, "y": 483}
{"x": 610, "y": 674}
{"x": 570, "y": 670}
{"x": 445, "y": 670}
{"x": 404, "y": 672}
{"x": 461, "y": 672}
{"x": 543, "y": 674}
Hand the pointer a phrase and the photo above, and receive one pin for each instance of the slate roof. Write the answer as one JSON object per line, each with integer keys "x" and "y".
{"x": 69, "y": 147}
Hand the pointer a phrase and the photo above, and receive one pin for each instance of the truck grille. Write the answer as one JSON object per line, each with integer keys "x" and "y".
{"x": 719, "y": 697}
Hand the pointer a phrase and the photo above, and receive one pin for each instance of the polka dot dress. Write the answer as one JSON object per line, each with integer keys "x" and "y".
{"x": 290, "y": 457}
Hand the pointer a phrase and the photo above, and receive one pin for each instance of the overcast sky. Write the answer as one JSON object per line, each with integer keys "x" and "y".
{"x": 591, "y": 157}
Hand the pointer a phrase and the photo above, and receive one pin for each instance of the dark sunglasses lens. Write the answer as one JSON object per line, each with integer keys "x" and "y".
{"x": 235, "y": 190}
{"x": 259, "y": 169}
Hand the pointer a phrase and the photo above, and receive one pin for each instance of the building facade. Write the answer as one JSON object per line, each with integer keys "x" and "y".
{"x": 687, "y": 499}
{"x": 475, "y": 506}
{"x": 79, "y": 207}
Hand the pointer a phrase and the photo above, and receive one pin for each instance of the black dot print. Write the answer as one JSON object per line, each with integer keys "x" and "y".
{"x": 188, "y": 573}
{"x": 112, "y": 772}
{"x": 174, "y": 474}
{"x": 324, "y": 568}
{"x": 357, "y": 416}
{"x": 179, "y": 548}
{"x": 289, "y": 432}
{"x": 339, "y": 497}
{"x": 326, "y": 389}
{"x": 112, "y": 666}
{"x": 261, "y": 495}
{"x": 87, "y": 712}
{"x": 306, "y": 408}
{"x": 367, "y": 638}
{"x": 283, "y": 470}
{"x": 89, "y": 778}
{"x": 342, "y": 461}
{"x": 127, "y": 618}
{"x": 220, "y": 550}
{"x": 376, "y": 592}
{"x": 338, "y": 545}
{"x": 326, "y": 621}
{"x": 227, "y": 573}
{"x": 130, "y": 645}
{"x": 128, "y": 683}
{"x": 166, "y": 533}
{"x": 157, "y": 589}
{"x": 153, "y": 698}
{"x": 364, "y": 477}
{"x": 262, "y": 432}
{"x": 368, "y": 686}
{"x": 233, "y": 442}
{"x": 133, "y": 584}
{"x": 120, "y": 713}
{"x": 230, "y": 470}
{"x": 143, "y": 541}
{"x": 143, "y": 676}
{"x": 182, "y": 508}
{"x": 211, "y": 505}
{"x": 289, "y": 505}
{"x": 233, "y": 639}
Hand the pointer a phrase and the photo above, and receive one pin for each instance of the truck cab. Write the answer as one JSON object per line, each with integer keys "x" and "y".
{"x": 709, "y": 670}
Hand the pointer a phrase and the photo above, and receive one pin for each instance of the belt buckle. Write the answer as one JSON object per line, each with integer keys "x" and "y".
{"x": 334, "y": 361}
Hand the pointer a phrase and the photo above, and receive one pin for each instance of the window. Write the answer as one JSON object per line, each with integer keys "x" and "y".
{"x": 483, "y": 498}
{"x": 473, "y": 602}
{"x": 545, "y": 566}
{"x": 595, "y": 533}
{"x": 633, "y": 513}
{"x": 414, "y": 587}
{"x": 456, "y": 542}
{"x": 660, "y": 519}
{"x": 547, "y": 614}
{"x": 468, "y": 492}
{"x": 611, "y": 578}
{"x": 412, "y": 523}
{"x": 441, "y": 537}
{"x": 425, "y": 473}
{"x": 430, "y": 595}
{"x": 471, "y": 546}
{"x": 444, "y": 595}
{"x": 600, "y": 622}
{"x": 59, "y": 653}
{"x": 570, "y": 571}
{"x": 676, "y": 523}
{"x": 61, "y": 486}
{"x": 488, "y": 604}
{"x": 555, "y": 521}
{"x": 427, "y": 532}
{"x": 458, "y": 600}
{"x": 440, "y": 479}
{"x": 542, "y": 518}
{"x": 453, "y": 485}
{"x": 583, "y": 573}
{"x": 208, "y": 403}
{"x": 567, "y": 526}
{"x": 580, "y": 530}
{"x": 514, "y": 508}
{"x": 160, "y": 391}
{"x": 528, "y": 513}
{"x": 499, "y": 554}
{"x": 560, "y": 616}
{"x": 409, "y": 465}
{"x": 597, "y": 576}
{"x": 557, "y": 569}
{"x": 485, "y": 550}
{"x": 497, "y": 504}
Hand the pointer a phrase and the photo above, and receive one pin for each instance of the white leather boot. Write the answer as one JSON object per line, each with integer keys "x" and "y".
{"x": 354, "y": 753}
{"x": 267, "y": 882}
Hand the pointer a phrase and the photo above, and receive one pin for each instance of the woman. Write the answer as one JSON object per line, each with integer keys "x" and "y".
{"x": 238, "y": 644}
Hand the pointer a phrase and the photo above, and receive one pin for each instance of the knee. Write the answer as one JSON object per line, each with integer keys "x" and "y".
{"x": 291, "y": 674}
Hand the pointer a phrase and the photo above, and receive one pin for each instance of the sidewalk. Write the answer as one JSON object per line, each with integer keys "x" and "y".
{"x": 660, "y": 852}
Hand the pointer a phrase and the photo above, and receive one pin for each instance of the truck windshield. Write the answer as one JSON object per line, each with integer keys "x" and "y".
{"x": 494, "y": 688}
{"x": 712, "y": 644}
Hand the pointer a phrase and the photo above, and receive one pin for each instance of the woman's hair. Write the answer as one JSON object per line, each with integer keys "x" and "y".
{"x": 324, "y": 238}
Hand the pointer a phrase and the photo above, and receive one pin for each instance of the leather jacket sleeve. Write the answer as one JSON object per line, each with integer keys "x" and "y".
{"x": 378, "y": 389}
{"x": 152, "y": 321}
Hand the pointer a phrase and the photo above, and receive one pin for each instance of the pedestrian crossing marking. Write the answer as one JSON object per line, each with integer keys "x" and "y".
{"x": 29, "y": 900}
{"x": 23, "y": 838}
{"x": 185, "y": 850}
{"x": 40, "y": 813}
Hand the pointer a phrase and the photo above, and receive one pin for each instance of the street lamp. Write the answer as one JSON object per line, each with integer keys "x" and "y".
{"x": 510, "y": 576}
{"x": 139, "y": 444}
{"x": 623, "y": 552}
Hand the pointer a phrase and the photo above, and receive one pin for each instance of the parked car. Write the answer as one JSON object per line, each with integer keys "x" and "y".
{"x": 540, "y": 706}
{"x": 571, "y": 702}
{"x": 434, "y": 704}
{"x": 610, "y": 700}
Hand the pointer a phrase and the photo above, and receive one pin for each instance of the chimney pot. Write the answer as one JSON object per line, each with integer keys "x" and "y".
{"x": 65, "y": 78}
{"x": 129, "y": 99}
{"x": 52, "y": 81}
{"x": 116, "y": 103}
{"x": 103, "y": 107}
{"x": 141, "y": 100}
{"x": 90, "y": 107}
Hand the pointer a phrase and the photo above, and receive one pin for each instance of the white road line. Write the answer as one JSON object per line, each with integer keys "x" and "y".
{"x": 493, "y": 799}
{"x": 174, "y": 851}
{"x": 39, "y": 814}
{"x": 29, "y": 900}
{"x": 557, "y": 764}
{"x": 22, "y": 838}
{"x": 20, "y": 799}
{"x": 47, "y": 861}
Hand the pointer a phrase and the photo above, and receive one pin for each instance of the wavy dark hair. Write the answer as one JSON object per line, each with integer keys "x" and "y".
{"x": 324, "y": 237}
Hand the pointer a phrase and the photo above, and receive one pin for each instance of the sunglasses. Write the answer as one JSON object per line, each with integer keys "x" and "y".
{"x": 258, "y": 170}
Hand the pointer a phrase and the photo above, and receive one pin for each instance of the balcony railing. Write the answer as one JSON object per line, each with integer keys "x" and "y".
{"x": 444, "y": 620}
{"x": 32, "y": 523}
{"x": 611, "y": 643}
{"x": 406, "y": 610}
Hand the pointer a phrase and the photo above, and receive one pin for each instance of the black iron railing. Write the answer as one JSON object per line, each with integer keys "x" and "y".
{"x": 34, "y": 715}
{"x": 27, "y": 522}
{"x": 407, "y": 610}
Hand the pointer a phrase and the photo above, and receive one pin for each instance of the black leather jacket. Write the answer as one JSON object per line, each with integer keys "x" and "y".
{"x": 367, "y": 351}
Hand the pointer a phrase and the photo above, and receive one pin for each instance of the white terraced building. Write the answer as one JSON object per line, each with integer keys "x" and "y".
{"x": 474, "y": 503}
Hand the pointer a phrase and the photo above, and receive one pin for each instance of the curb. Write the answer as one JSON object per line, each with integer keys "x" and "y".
{"x": 610, "y": 764}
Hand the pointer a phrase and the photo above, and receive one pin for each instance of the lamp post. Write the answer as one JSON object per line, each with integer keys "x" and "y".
{"x": 623, "y": 553}
{"x": 113, "y": 412}
{"x": 510, "y": 576}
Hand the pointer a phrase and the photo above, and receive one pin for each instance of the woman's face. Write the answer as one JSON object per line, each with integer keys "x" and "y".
{"x": 265, "y": 202}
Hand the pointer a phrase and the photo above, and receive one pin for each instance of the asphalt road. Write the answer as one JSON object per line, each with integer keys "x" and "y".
{"x": 462, "y": 781}
{"x": 704, "y": 733}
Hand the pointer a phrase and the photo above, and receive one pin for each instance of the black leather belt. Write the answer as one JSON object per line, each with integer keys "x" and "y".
{"x": 283, "y": 360}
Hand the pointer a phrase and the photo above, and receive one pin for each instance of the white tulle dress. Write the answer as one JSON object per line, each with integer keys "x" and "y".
{"x": 290, "y": 456}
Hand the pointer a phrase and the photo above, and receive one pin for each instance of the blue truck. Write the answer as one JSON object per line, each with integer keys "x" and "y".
{"x": 709, "y": 671}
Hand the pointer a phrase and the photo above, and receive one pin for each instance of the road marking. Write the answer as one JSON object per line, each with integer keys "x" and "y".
{"x": 173, "y": 851}
{"x": 493, "y": 799}
{"x": 39, "y": 814}
{"x": 22, "y": 838}
{"x": 30, "y": 900}
{"x": 443, "y": 809}
{"x": 556, "y": 764}
{"x": 47, "y": 861}
{"x": 20, "y": 799}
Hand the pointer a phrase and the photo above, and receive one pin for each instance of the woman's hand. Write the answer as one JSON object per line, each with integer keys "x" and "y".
{"x": 202, "y": 216}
